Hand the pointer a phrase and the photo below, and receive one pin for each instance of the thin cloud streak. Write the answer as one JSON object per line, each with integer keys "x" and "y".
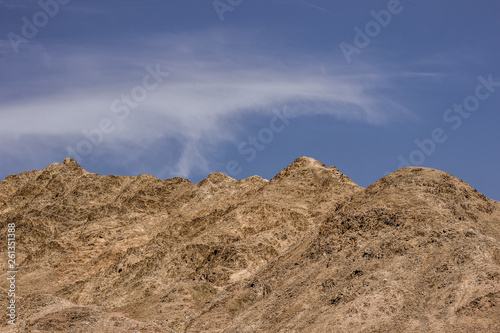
{"x": 194, "y": 102}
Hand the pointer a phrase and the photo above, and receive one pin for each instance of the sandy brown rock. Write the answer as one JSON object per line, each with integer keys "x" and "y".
{"x": 308, "y": 251}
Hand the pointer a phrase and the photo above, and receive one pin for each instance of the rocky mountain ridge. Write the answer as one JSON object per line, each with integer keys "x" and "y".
{"x": 308, "y": 250}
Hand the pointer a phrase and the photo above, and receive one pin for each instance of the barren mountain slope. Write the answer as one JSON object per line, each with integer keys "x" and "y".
{"x": 419, "y": 250}
{"x": 308, "y": 251}
{"x": 111, "y": 253}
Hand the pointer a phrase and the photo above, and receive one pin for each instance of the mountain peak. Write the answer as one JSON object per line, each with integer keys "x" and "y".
{"x": 68, "y": 167}
{"x": 311, "y": 169}
{"x": 69, "y": 161}
{"x": 420, "y": 179}
{"x": 304, "y": 161}
{"x": 300, "y": 166}
{"x": 216, "y": 178}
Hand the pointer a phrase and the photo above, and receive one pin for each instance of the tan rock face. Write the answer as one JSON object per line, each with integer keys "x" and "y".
{"x": 307, "y": 251}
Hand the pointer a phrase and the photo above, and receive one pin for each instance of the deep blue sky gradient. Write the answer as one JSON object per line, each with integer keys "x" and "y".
{"x": 227, "y": 76}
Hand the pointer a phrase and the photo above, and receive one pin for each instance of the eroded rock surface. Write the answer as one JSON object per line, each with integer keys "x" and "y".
{"x": 308, "y": 251}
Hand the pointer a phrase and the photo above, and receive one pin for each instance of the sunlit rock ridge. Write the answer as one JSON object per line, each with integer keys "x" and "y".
{"x": 307, "y": 251}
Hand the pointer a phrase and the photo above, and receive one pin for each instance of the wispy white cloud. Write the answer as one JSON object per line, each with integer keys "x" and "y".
{"x": 214, "y": 76}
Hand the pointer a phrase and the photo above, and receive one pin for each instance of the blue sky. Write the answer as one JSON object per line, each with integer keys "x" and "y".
{"x": 186, "y": 88}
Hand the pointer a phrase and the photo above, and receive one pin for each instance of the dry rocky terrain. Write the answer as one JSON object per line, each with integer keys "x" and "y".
{"x": 308, "y": 251}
